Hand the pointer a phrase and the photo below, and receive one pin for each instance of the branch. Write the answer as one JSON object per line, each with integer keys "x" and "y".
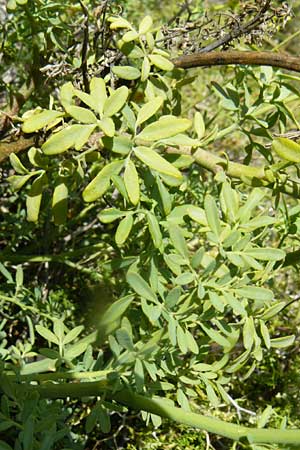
{"x": 6, "y": 148}
{"x": 161, "y": 407}
{"x": 240, "y": 58}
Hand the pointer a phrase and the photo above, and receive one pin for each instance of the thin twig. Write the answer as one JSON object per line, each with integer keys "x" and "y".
{"x": 238, "y": 31}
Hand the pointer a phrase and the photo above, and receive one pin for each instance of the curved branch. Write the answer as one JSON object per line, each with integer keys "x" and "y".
{"x": 238, "y": 58}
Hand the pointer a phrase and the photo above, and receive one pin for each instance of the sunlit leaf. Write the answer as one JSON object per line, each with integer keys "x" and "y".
{"x": 37, "y": 121}
{"x": 156, "y": 162}
{"x": 148, "y": 110}
{"x": 115, "y": 102}
{"x": 126, "y": 72}
{"x": 140, "y": 286}
{"x": 165, "y": 127}
{"x": 161, "y": 62}
{"x": 131, "y": 180}
{"x": 123, "y": 230}
{"x": 287, "y": 149}
{"x": 99, "y": 185}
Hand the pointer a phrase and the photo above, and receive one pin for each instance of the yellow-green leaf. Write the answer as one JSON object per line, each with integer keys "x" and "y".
{"x": 119, "y": 22}
{"x": 165, "y": 127}
{"x": 126, "y": 72}
{"x": 156, "y": 162}
{"x": 146, "y": 67}
{"x": 17, "y": 165}
{"x": 148, "y": 110}
{"x": 18, "y": 181}
{"x": 154, "y": 229}
{"x": 130, "y": 36}
{"x": 73, "y": 135}
{"x": 287, "y": 149}
{"x": 131, "y": 180}
{"x": 199, "y": 125}
{"x": 66, "y": 94}
{"x": 60, "y": 203}
{"x": 40, "y": 120}
{"x": 123, "y": 230}
{"x": 115, "y": 102}
{"x": 85, "y": 98}
{"x": 107, "y": 125}
{"x": 145, "y": 25}
{"x": 34, "y": 198}
{"x": 161, "y": 62}
{"x": 98, "y": 93}
{"x": 83, "y": 115}
{"x": 99, "y": 185}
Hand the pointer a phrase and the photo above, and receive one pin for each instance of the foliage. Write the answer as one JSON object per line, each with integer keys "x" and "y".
{"x": 176, "y": 269}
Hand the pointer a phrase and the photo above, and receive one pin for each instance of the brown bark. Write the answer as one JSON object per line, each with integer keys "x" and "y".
{"x": 241, "y": 58}
{"x": 6, "y": 148}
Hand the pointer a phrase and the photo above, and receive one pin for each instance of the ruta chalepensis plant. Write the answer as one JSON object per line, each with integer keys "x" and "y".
{"x": 191, "y": 241}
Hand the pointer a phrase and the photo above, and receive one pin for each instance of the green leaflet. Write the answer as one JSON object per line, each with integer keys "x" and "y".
{"x": 139, "y": 375}
{"x": 145, "y": 25}
{"x": 34, "y": 197}
{"x": 140, "y": 286}
{"x": 178, "y": 240}
{"x": 126, "y": 72}
{"x": 212, "y": 215}
{"x": 115, "y": 102}
{"x": 287, "y": 149}
{"x": 17, "y": 165}
{"x": 47, "y": 334}
{"x": 197, "y": 214}
{"x": 82, "y": 115}
{"x": 216, "y": 337}
{"x": 66, "y": 94}
{"x": 118, "y": 144}
{"x": 282, "y": 342}
{"x": 165, "y": 127}
{"x": 199, "y": 125}
{"x": 156, "y": 162}
{"x": 154, "y": 229}
{"x": 161, "y": 62}
{"x": 18, "y": 181}
{"x": 71, "y": 136}
{"x": 88, "y": 99}
{"x": 99, "y": 185}
{"x": 110, "y": 215}
{"x": 125, "y": 339}
{"x": 131, "y": 180}
{"x": 113, "y": 313}
{"x": 265, "y": 254}
{"x": 40, "y": 120}
{"x": 148, "y": 110}
{"x": 123, "y": 230}
{"x": 60, "y": 203}
{"x": 130, "y": 36}
{"x": 98, "y": 93}
{"x": 146, "y": 68}
{"x": 107, "y": 125}
{"x": 255, "y": 293}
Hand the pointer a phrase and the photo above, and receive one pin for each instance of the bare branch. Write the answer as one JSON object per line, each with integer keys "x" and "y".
{"x": 241, "y": 58}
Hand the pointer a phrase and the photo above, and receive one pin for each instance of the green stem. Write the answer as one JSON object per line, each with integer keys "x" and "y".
{"x": 163, "y": 408}
{"x": 21, "y": 305}
{"x": 40, "y": 377}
